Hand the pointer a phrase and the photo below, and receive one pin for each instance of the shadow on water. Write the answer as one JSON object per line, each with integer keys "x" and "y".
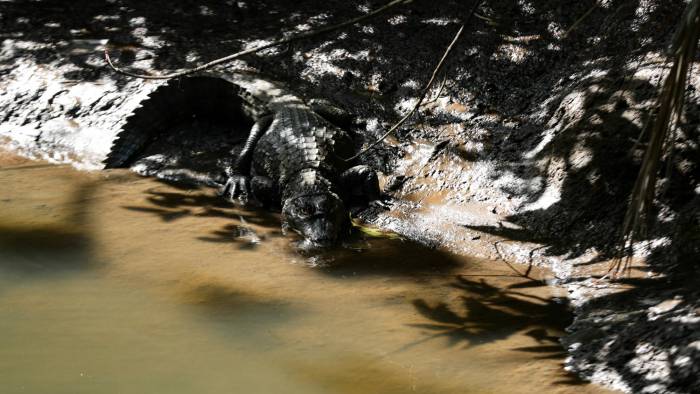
{"x": 491, "y": 313}
{"x": 389, "y": 257}
{"x": 232, "y": 308}
{"x": 258, "y": 323}
{"x": 195, "y": 201}
{"x": 359, "y": 257}
{"x": 47, "y": 248}
{"x": 486, "y": 313}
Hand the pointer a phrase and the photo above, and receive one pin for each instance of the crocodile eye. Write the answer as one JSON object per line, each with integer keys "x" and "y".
{"x": 306, "y": 210}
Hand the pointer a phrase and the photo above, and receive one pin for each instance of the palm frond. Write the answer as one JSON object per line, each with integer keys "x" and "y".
{"x": 662, "y": 136}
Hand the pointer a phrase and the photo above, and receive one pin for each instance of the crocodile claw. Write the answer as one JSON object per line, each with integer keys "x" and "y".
{"x": 381, "y": 204}
{"x": 237, "y": 189}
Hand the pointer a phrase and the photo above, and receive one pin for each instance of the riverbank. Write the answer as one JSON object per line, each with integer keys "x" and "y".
{"x": 526, "y": 155}
{"x": 113, "y": 282}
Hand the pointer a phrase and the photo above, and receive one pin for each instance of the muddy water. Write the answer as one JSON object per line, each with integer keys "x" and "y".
{"x": 110, "y": 283}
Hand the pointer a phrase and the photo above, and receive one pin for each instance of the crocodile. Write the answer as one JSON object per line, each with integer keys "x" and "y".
{"x": 292, "y": 158}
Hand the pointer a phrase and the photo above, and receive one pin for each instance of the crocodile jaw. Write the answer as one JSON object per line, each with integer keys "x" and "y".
{"x": 319, "y": 218}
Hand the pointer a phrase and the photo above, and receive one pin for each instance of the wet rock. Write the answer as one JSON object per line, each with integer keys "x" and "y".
{"x": 665, "y": 306}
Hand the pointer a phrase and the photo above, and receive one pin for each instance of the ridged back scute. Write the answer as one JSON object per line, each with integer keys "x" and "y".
{"x": 211, "y": 97}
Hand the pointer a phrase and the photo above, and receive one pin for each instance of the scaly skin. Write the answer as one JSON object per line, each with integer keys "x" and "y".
{"x": 175, "y": 101}
{"x": 292, "y": 158}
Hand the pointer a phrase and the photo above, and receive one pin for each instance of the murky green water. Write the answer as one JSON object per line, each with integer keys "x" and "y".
{"x": 110, "y": 283}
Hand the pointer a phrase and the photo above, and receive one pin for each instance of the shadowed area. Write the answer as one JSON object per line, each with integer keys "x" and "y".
{"x": 492, "y": 313}
{"x": 388, "y": 257}
{"x": 479, "y": 313}
{"x": 185, "y": 130}
{"x": 235, "y": 309}
{"x": 195, "y": 201}
{"x": 45, "y": 237}
{"x": 512, "y": 82}
{"x": 648, "y": 318}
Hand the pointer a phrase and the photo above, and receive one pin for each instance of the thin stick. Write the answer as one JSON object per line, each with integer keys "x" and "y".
{"x": 579, "y": 20}
{"x": 425, "y": 90}
{"x": 439, "y": 92}
{"x": 229, "y": 58}
{"x": 503, "y": 259}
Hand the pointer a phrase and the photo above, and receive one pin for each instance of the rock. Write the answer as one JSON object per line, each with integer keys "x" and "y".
{"x": 665, "y": 306}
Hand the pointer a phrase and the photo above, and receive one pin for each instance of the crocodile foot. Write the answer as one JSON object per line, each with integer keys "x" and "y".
{"x": 237, "y": 189}
{"x": 384, "y": 204}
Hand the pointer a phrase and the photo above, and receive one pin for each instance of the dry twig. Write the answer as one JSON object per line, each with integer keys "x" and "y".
{"x": 282, "y": 41}
{"x": 425, "y": 89}
{"x": 579, "y": 20}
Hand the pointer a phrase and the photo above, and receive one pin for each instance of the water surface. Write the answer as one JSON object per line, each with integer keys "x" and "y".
{"x": 111, "y": 283}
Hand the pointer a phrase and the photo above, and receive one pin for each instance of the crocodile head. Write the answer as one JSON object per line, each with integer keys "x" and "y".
{"x": 320, "y": 218}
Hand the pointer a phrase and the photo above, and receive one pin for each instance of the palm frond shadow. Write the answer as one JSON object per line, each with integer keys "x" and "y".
{"x": 487, "y": 313}
{"x": 195, "y": 201}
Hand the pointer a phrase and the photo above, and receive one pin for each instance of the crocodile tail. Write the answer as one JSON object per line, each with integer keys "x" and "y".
{"x": 177, "y": 101}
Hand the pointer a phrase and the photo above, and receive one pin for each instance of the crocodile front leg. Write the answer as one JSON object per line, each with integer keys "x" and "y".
{"x": 265, "y": 191}
{"x": 237, "y": 187}
{"x": 361, "y": 187}
{"x": 331, "y": 113}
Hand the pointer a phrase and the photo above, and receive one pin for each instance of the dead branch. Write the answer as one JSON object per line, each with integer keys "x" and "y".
{"x": 282, "y": 41}
{"x": 425, "y": 89}
{"x": 672, "y": 101}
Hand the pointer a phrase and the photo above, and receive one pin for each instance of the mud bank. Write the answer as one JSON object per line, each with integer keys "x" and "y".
{"x": 525, "y": 155}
